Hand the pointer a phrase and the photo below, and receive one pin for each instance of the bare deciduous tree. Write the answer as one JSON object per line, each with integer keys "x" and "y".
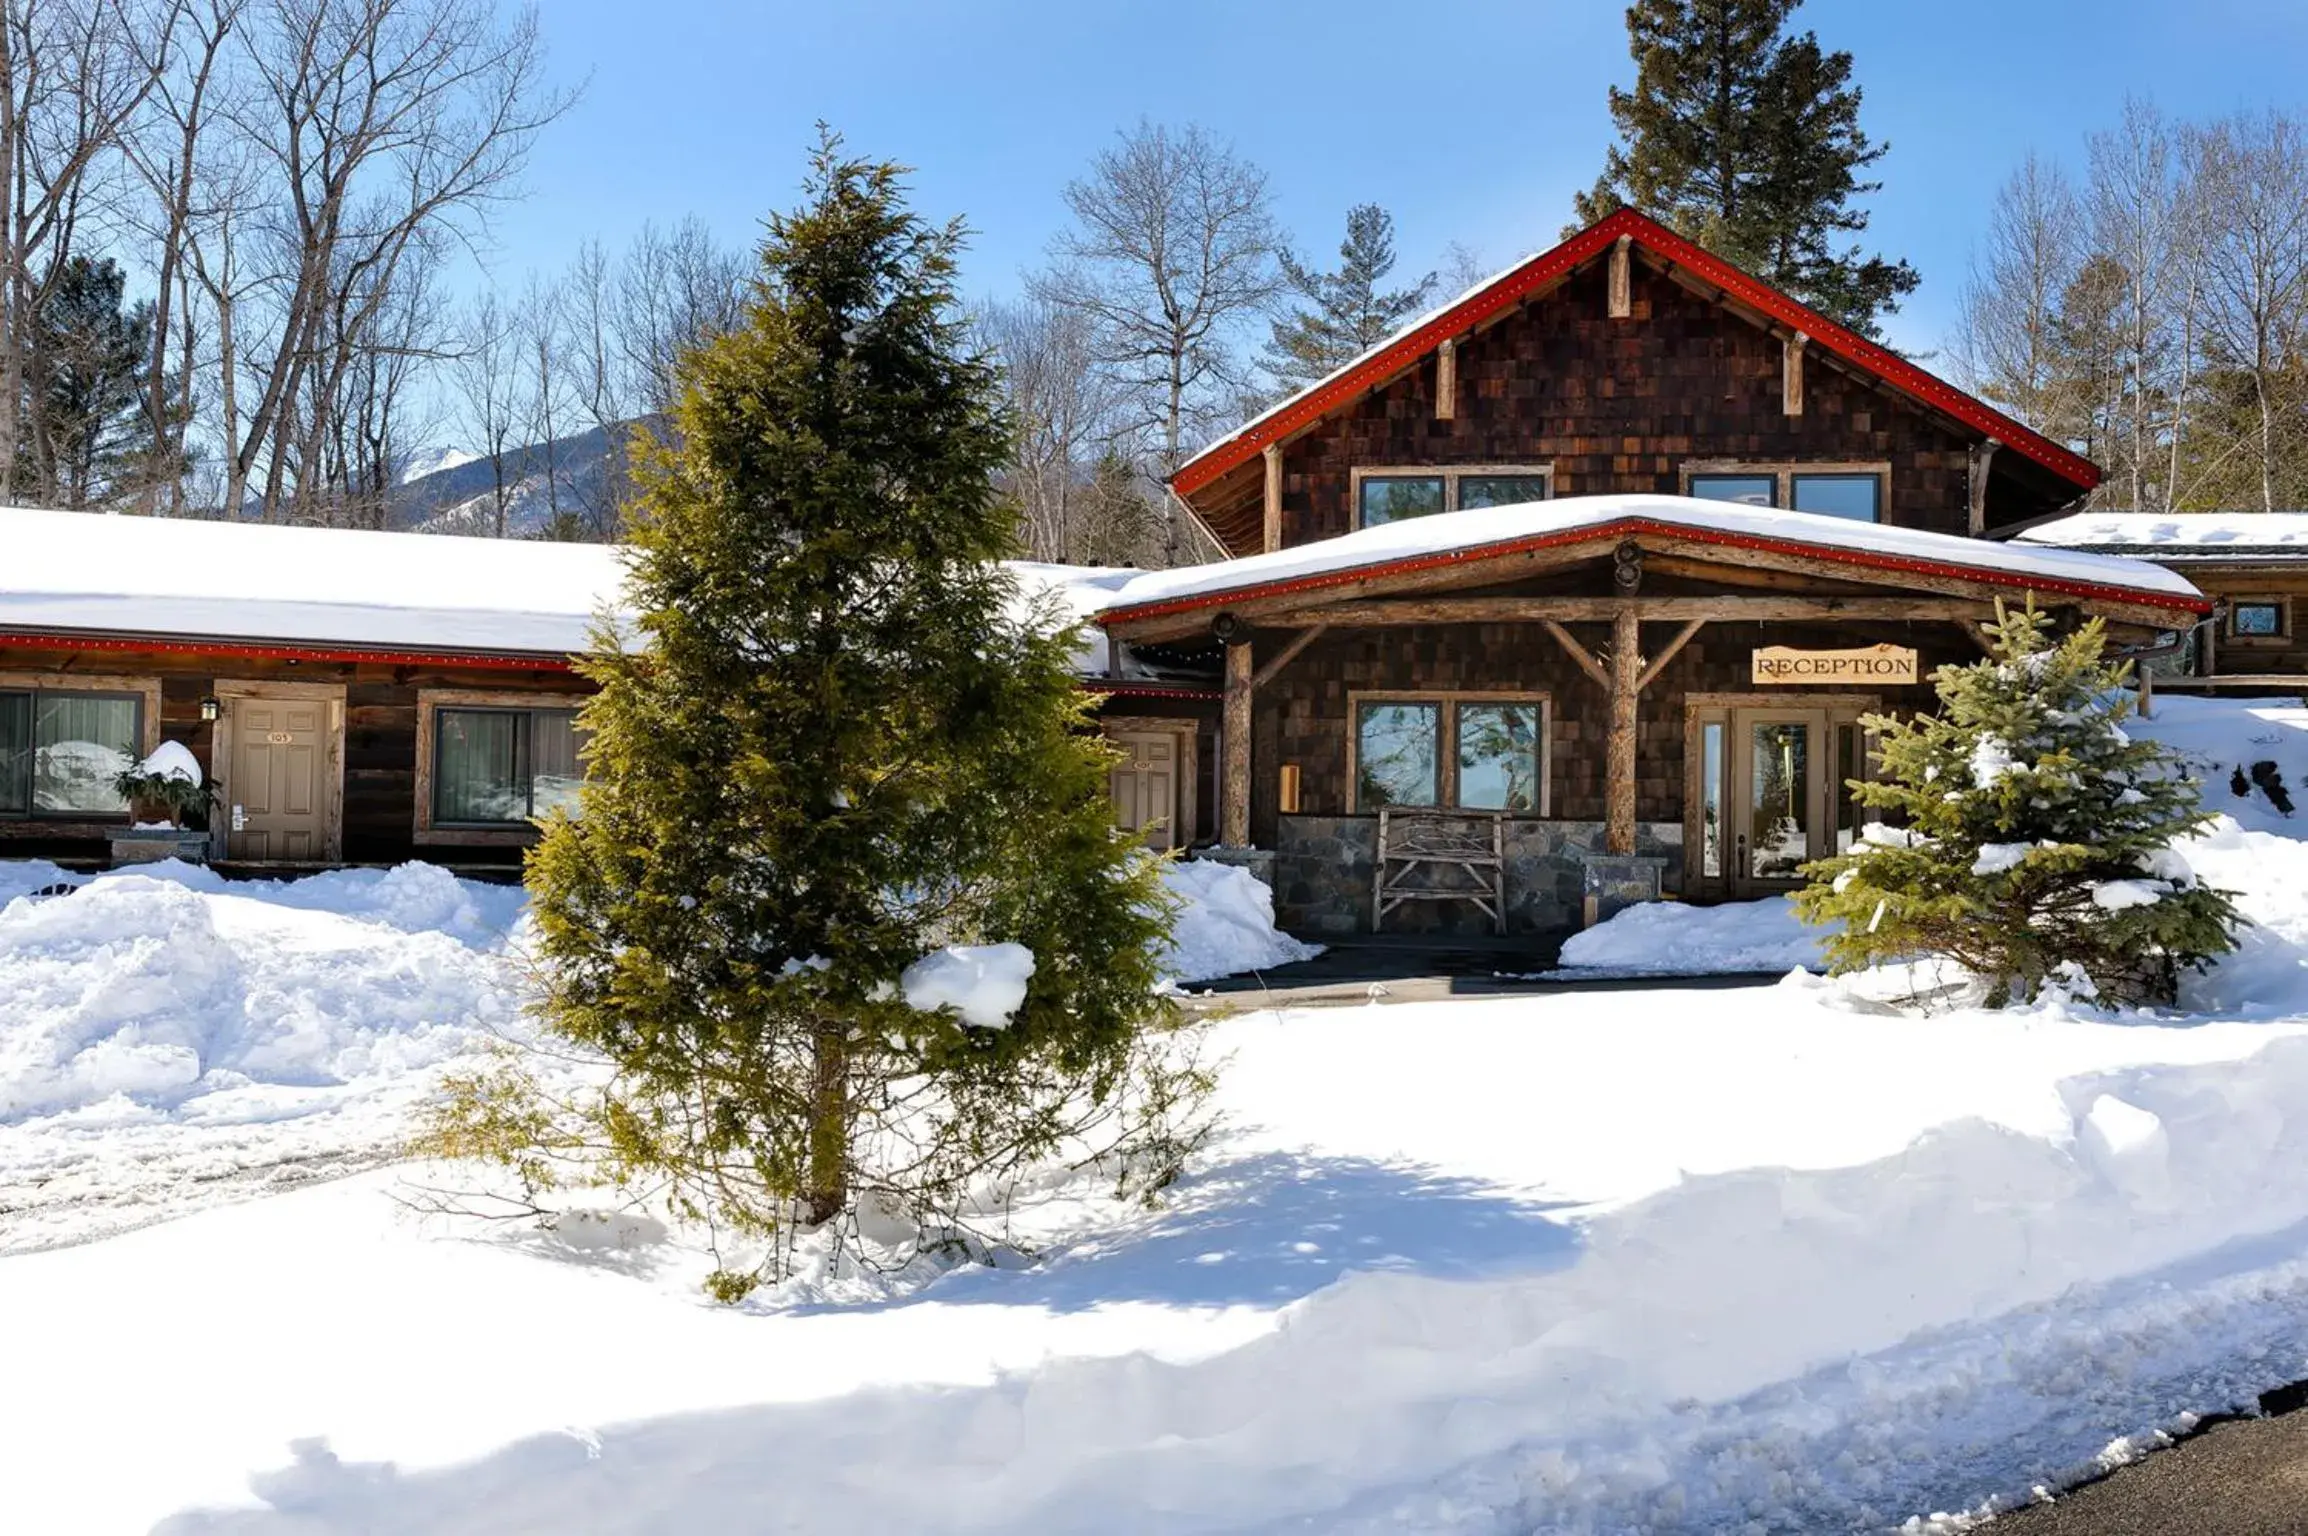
{"x": 2255, "y": 261}
{"x": 2006, "y": 346}
{"x": 1172, "y": 252}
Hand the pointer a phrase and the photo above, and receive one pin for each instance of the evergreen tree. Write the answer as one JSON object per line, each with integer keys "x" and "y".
{"x": 2035, "y": 836}
{"x": 84, "y": 387}
{"x": 838, "y": 750}
{"x": 1346, "y": 312}
{"x": 1747, "y": 141}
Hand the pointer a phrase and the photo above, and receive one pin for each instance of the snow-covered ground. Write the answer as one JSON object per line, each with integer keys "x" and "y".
{"x": 1771, "y": 1259}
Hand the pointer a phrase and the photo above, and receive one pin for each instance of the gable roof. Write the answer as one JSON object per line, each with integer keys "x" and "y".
{"x": 1470, "y": 539}
{"x": 1486, "y": 299}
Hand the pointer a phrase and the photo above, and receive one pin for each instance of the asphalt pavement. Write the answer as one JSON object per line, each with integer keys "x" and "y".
{"x": 2248, "y": 1477}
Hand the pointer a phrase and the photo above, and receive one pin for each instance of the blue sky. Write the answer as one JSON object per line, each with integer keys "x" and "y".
{"x": 1471, "y": 122}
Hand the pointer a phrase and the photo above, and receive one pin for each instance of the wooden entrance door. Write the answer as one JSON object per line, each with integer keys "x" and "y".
{"x": 1144, "y": 786}
{"x": 279, "y": 796}
{"x": 1773, "y": 795}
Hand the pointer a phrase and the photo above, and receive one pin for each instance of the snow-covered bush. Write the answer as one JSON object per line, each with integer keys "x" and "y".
{"x": 2034, "y": 837}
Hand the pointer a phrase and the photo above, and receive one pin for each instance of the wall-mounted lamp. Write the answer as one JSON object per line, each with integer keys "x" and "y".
{"x": 1287, "y": 790}
{"x": 208, "y": 707}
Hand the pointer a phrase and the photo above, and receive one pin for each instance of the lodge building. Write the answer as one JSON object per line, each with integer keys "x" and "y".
{"x": 1572, "y": 593}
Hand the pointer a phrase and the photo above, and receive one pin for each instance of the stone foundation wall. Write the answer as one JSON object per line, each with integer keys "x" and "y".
{"x": 1322, "y": 876}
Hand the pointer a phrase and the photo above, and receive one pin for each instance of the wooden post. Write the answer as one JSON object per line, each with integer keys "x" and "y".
{"x": 1619, "y": 750}
{"x": 1981, "y": 457}
{"x": 1273, "y": 496}
{"x": 1622, "y": 303}
{"x": 1446, "y": 379}
{"x": 1791, "y": 374}
{"x": 1234, "y": 787}
{"x": 2147, "y": 693}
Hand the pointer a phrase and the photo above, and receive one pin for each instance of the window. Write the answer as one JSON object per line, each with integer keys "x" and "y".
{"x": 1398, "y": 754}
{"x": 503, "y": 767}
{"x": 1477, "y": 753}
{"x": 1747, "y": 490}
{"x": 2258, "y": 618}
{"x": 1851, "y": 492}
{"x": 61, "y": 748}
{"x": 1500, "y": 490}
{"x": 1390, "y": 495}
{"x": 1391, "y": 498}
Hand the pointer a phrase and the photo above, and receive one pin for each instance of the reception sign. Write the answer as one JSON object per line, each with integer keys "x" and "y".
{"x": 1875, "y": 664}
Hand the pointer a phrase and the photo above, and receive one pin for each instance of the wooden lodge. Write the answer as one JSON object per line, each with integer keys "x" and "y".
{"x": 1558, "y": 707}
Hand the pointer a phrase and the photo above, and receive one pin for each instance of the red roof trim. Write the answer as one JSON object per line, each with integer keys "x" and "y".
{"x": 1116, "y": 689}
{"x": 92, "y": 642}
{"x": 1216, "y": 460}
{"x": 1624, "y": 527}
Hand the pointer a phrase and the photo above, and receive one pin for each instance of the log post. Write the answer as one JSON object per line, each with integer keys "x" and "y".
{"x": 1446, "y": 379}
{"x": 1619, "y": 751}
{"x": 1791, "y": 374}
{"x": 1234, "y": 768}
{"x": 1981, "y": 458}
{"x": 1622, "y": 295}
{"x": 1273, "y": 497}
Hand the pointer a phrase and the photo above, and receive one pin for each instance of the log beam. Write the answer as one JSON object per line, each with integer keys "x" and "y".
{"x": 1283, "y": 657}
{"x": 1234, "y": 765}
{"x": 1379, "y": 612}
{"x": 1578, "y": 653}
{"x": 1273, "y": 509}
{"x": 1622, "y": 300}
{"x": 1626, "y": 685}
{"x": 1658, "y": 663}
{"x": 1791, "y": 374}
{"x": 1446, "y": 379}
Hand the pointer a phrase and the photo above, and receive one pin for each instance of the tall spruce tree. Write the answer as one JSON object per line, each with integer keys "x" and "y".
{"x": 2034, "y": 835}
{"x": 836, "y": 749}
{"x": 1345, "y": 312}
{"x": 1747, "y": 140}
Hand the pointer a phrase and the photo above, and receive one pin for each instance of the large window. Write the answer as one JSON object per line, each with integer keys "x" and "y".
{"x": 1854, "y": 493}
{"x": 1471, "y": 753}
{"x": 499, "y": 768}
{"x": 61, "y": 748}
{"x": 1391, "y": 495}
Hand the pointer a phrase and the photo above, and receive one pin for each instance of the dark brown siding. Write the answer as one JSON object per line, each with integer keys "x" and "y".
{"x": 380, "y": 736}
{"x": 2232, "y": 654}
{"x": 1302, "y": 714}
{"x": 1620, "y": 405}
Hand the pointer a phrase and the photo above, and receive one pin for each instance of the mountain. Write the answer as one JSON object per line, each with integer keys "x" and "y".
{"x": 455, "y": 491}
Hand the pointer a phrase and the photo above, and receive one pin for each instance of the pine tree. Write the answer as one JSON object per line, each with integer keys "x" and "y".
{"x": 1747, "y": 141}
{"x": 835, "y": 751}
{"x": 2034, "y": 837}
{"x": 1348, "y": 312}
{"x": 84, "y": 382}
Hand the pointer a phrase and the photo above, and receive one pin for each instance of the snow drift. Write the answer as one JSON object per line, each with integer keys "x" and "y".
{"x": 1224, "y": 924}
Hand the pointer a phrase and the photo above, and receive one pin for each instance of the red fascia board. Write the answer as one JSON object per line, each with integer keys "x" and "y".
{"x": 1624, "y": 527}
{"x": 249, "y": 649}
{"x": 1119, "y": 689}
{"x": 1896, "y": 371}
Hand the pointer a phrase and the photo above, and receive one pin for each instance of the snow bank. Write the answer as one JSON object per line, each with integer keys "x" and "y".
{"x": 2218, "y": 737}
{"x": 1225, "y": 923}
{"x": 984, "y": 983}
{"x": 165, "y": 1029}
{"x": 1668, "y": 938}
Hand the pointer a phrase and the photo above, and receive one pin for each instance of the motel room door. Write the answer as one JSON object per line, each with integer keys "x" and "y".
{"x": 1773, "y": 795}
{"x": 283, "y": 780}
{"x": 1144, "y": 785}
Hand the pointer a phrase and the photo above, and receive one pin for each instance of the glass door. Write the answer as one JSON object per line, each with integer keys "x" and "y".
{"x": 1777, "y": 797}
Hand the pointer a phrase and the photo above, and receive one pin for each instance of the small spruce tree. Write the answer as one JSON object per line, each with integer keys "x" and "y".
{"x": 838, "y": 748}
{"x": 2034, "y": 835}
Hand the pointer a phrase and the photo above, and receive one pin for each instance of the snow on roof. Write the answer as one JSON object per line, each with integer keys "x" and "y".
{"x": 263, "y": 582}
{"x": 182, "y": 578}
{"x": 2180, "y": 536}
{"x": 1470, "y": 533}
{"x": 1079, "y": 593}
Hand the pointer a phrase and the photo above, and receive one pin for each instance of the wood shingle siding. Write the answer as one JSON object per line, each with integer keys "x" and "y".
{"x": 1622, "y": 406}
